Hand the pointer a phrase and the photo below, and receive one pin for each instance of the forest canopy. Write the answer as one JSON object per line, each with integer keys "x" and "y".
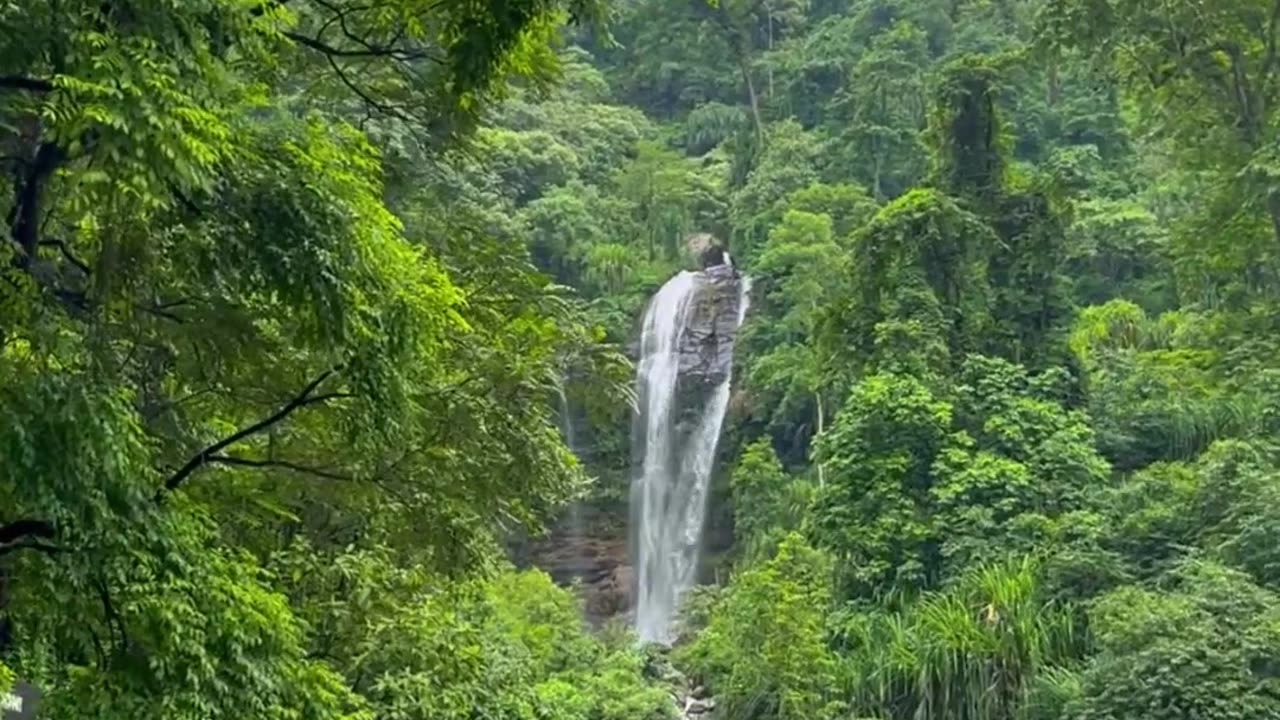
{"x": 298, "y": 298}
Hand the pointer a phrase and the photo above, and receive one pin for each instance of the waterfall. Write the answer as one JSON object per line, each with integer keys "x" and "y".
{"x": 683, "y": 398}
{"x": 576, "y": 528}
{"x": 566, "y": 420}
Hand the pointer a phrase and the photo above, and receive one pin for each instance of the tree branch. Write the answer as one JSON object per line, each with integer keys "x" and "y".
{"x": 67, "y": 255}
{"x": 205, "y": 456}
{"x": 250, "y": 462}
{"x": 319, "y": 46}
{"x": 390, "y": 110}
{"x": 25, "y": 534}
{"x": 114, "y": 622}
{"x": 19, "y": 529}
{"x": 367, "y": 51}
{"x": 161, "y": 311}
{"x": 31, "y": 545}
{"x": 25, "y": 214}
{"x": 18, "y": 82}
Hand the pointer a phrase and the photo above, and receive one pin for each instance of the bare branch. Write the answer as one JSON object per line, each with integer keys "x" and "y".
{"x": 18, "y": 82}
{"x": 203, "y": 457}
{"x": 295, "y": 467}
{"x": 19, "y": 529}
{"x": 114, "y": 622}
{"x": 31, "y": 545}
{"x": 390, "y": 110}
{"x": 367, "y": 50}
{"x": 164, "y": 309}
{"x": 25, "y": 213}
{"x": 25, "y": 535}
{"x": 330, "y": 50}
{"x": 67, "y": 255}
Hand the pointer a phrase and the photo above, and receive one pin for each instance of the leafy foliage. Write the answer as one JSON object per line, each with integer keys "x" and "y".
{"x": 922, "y": 486}
{"x": 776, "y": 610}
{"x": 299, "y": 299}
{"x": 263, "y": 430}
{"x": 1023, "y": 399}
{"x": 979, "y": 648}
{"x": 1197, "y": 650}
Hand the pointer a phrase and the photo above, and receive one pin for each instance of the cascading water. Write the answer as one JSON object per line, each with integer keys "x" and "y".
{"x": 576, "y": 529}
{"x": 566, "y": 419}
{"x": 683, "y": 385}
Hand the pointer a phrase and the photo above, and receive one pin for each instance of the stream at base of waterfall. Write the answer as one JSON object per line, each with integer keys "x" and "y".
{"x": 683, "y": 378}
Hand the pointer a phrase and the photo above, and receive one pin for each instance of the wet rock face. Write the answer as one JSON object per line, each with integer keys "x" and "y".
{"x": 693, "y": 701}
{"x": 706, "y": 348}
{"x": 595, "y": 557}
{"x": 712, "y": 257}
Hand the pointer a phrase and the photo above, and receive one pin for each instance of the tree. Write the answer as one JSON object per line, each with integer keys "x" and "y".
{"x": 1118, "y": 249}
{"x": 768, "y": 503}
{"x": 1207, "y": 73}
{"x": 244, "y": 347}
{"x": 666, "y": 58}
{"x": 848, "y": 205}
{"x": 926, "y": 482}
{"x": 788, "y": 162}
{"x": 670, "y": 200}
{"x": 1199, "y": 650}
{"x": 874, "y": 512}
{"x": 798, "y": 268}
{"x": 923, "y": 259}
{"x": 882, "y": 107}
{"x": 420, "y": 645}
{"x": 1132, "y": 365}
{"x": 764, "y": 646}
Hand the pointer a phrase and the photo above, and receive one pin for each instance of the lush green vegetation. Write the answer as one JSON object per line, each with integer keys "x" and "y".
{"x": 289, "y": 291}
{"x": 270, "y": 406}
{"x": 1005, "y": 446}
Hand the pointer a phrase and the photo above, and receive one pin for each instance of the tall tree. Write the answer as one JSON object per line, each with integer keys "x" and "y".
{"x": 1207, "y": 76}
{"x": 217, "y": 338}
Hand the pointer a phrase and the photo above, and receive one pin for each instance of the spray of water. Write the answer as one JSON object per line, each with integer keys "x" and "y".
{"x": 669, "y": 494}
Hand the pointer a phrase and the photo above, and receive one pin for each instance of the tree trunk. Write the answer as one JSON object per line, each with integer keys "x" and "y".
{"x": 740, "y": 46}
{"x": 1273, "y": 209}
{"x": 769, "y": 10}
{"x": 24, "y": 217}
{"x": 822, "y": 475}
{"x": 1055, "y": 84}
{"x": 754, "y": 100}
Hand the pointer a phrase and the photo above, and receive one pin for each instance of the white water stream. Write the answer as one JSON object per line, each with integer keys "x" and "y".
{"x": 576, "y": 529}
{"x": 669, "y": 494}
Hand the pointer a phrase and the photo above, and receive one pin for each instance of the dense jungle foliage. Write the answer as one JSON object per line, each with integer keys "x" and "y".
{"x": 291, "y": 289}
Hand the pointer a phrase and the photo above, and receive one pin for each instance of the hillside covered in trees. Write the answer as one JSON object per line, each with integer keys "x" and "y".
{"x": 302, "y": 300}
